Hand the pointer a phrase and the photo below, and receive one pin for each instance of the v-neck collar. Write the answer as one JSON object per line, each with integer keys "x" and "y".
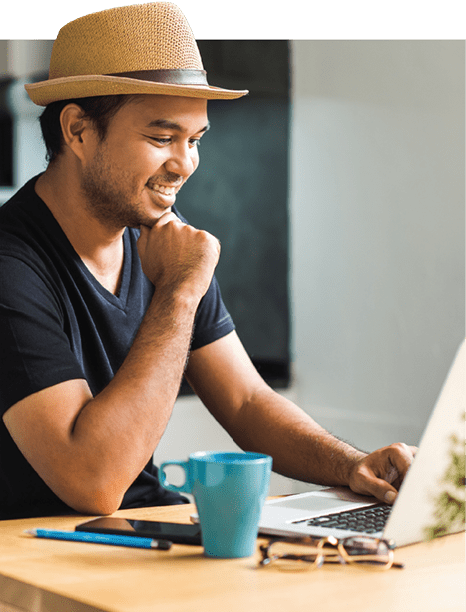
{"x": 119, "y": 300}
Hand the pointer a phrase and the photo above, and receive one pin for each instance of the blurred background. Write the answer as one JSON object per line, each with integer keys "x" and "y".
{"x": 337, "y": 189}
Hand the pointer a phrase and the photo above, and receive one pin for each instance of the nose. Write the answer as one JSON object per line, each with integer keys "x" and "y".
{"x": 183, "y": 160}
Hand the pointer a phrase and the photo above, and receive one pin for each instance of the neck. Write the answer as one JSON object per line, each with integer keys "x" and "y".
{"x": 99, "y": 247}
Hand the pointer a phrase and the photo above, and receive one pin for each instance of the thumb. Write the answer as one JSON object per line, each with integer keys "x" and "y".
{"x": 384, "y": 491}
{"x": 367, "y": 483}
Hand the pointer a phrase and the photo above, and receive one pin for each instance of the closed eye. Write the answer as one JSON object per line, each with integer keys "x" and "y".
{"x": 162, "y": 141}
{"x": 193, "y": 142}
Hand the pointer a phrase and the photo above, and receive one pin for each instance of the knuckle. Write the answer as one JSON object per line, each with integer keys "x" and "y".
{"x": 167, "y": 219}
{"x": 209, "y": 239}
{"x": 399, "y": 447}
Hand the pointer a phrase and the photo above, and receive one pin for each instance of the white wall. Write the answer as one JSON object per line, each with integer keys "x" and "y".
{"x": 377, "y": 209}
{"x": 27, "y": 57}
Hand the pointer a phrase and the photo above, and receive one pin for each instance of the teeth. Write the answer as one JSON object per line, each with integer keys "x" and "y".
{"x": 164, "y": 189}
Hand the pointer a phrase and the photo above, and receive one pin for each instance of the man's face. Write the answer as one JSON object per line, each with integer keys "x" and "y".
{"x": 151, "y": 149}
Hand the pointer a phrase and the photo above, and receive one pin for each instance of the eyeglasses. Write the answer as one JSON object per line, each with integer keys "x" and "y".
{"x": 308, "y": 553}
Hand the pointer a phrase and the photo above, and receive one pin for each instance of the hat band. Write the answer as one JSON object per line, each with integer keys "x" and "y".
{"x": 174, "y": 77}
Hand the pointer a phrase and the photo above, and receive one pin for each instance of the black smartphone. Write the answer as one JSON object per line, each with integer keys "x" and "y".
{"x": 174, "y": 532}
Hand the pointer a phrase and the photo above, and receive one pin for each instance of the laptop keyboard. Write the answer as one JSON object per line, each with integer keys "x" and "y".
{"x": 366, "y": 520}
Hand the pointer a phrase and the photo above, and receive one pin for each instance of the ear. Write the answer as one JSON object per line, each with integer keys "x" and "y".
{"x": 76, "y": 129}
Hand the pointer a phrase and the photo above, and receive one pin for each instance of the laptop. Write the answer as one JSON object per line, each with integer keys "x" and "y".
{"x": 320, "y": 513}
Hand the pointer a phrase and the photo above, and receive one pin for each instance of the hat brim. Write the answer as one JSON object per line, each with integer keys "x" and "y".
{"x": 84, "y": 86}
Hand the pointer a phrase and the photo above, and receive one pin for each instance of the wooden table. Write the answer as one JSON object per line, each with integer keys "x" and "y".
{"x": 39, "y": 575}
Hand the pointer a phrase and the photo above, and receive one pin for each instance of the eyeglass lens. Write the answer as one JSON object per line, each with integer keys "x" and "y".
{"x": 359, "y": 551}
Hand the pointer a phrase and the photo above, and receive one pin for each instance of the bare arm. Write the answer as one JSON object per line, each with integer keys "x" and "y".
{"x": 89, "y": 450}
{"x": 261, "y": 420}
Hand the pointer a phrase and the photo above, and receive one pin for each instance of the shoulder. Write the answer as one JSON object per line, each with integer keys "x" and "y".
{"x": 31, "y": 247}
{"x": 22, "y": 218}
{"x": 28, "y": 229}
{"x": 19, "y": 201}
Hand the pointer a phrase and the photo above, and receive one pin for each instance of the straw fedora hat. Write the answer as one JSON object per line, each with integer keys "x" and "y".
{"x": 138, "y": 49}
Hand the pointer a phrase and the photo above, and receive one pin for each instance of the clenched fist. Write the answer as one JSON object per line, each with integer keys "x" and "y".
{"x": 177, "y": 257}
{"x": 381, "y": 472}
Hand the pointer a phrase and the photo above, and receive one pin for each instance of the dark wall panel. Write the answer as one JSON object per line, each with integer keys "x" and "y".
{"x": 240, "y": 194}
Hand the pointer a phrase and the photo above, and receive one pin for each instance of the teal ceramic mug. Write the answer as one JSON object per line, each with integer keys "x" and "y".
{"x": 230, "y": 490}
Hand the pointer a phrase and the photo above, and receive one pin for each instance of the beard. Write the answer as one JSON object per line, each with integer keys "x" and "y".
{"x": 109, "y": 198}
{"x": 113, "y": 196}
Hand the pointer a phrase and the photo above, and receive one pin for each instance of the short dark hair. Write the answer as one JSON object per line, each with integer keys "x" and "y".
{"x": 99, "y": 109}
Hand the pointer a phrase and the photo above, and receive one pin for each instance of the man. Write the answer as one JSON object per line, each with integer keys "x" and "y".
{"x": 107, "y": 296}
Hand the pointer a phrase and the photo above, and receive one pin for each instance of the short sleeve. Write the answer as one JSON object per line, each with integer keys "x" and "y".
{"x": 213, "y": 320}
{"x": 35, "y": 351}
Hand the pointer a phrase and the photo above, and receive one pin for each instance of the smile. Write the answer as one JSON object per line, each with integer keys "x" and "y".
{"x": 164, "y": 189}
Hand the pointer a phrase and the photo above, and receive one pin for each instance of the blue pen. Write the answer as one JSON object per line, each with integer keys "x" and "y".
{"x": 101, "y": 538}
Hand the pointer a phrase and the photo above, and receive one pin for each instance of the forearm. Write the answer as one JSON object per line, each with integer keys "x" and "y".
{"x": 89, "y": 450}
{"x": 119, "y": 428}
{"x": 261, "y": 420}
{"x": 300, "y": 448}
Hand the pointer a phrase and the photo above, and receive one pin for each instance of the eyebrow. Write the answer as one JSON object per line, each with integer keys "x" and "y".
{"x": 172, "y": 125}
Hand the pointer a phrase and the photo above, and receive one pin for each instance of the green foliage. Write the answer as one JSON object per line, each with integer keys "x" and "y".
{"x": 449, "y": 513}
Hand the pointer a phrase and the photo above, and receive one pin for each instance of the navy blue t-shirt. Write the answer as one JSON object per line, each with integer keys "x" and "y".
{"x": 58, "y": 323}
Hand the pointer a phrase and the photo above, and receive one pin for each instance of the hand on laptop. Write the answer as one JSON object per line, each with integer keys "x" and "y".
{"x": 381, "y": 472}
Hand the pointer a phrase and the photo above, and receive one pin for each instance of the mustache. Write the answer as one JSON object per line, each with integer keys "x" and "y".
{"x": 170, "y": 178}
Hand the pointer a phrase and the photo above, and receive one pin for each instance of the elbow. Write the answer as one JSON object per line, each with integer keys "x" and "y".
{"x": 92, "y": 500}
{"x": 96, "y": 505}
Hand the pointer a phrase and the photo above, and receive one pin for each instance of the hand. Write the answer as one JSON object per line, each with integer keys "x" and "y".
{"x": 177, "y": 257}
{"x": 381, "y": 473}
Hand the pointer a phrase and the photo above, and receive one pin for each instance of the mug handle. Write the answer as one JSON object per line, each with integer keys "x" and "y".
{"x": 184, "y": 488}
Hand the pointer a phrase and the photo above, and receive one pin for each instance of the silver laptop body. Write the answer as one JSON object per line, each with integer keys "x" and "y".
{"x": 413, "y": 511}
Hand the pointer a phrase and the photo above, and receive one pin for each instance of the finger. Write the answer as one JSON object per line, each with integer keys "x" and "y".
{"x": 167, "y": 217}
{"x": 391, "y": 475}
{"x": 384, "y": 491}
{"x": 381, "y": 472}
{"x": 369, "y": 484}
{"x": 401, "y": 457}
